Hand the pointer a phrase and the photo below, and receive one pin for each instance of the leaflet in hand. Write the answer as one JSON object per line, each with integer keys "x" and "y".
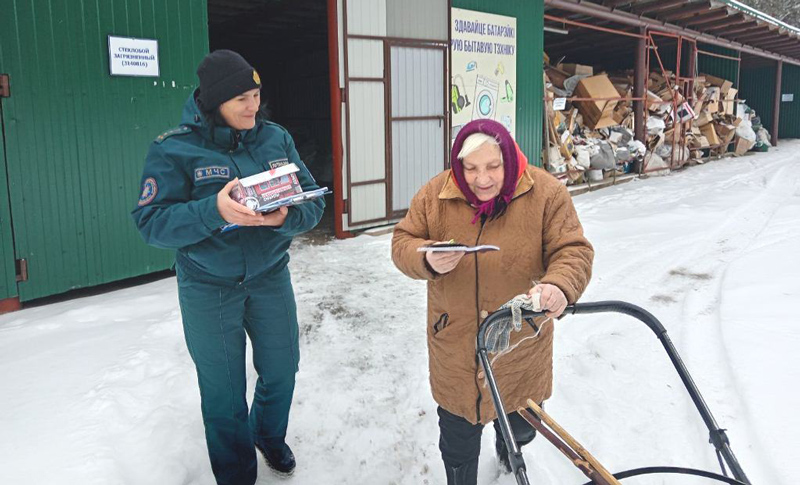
{"x": 454, "y": 246}
{"x": 293, "y": 200}
{"x": 268, "y": 191}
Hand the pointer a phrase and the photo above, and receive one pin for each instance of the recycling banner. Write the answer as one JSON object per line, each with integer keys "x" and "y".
{"x": 484, "y": 69}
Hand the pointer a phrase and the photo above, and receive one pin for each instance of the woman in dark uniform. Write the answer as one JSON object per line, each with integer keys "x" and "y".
{"x": 234, "y": 282}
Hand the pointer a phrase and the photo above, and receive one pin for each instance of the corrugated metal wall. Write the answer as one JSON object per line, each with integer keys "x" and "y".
{"x": 403, "y": 19}
{"x": 417, "y": 79}
{"x": 366, "y": 17}
{"x": 8, "y": 285}
{"x": 367, "y": 132}
{"x": 530, "y": 91}
{"x": 758, "y": 91}
{"x": 790, "y": 111}
{"x": 365, "y": 58}
{"x": 366, "y": 105}
{"x": 373, "y": 206}
{"x": 366, "y": 110}
{"x": 417, "y": 156}
{"x": 377, "y": 186}
{"x": 76, "y": 137}
{"x": 716, "y": 66}
{"x": 417, "y": 145}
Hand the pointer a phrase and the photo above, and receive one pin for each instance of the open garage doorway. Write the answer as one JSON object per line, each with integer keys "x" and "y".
{"x": 287, "y": 43}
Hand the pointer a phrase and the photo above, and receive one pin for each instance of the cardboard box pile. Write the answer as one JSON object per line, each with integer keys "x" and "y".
{"x": 592, "y": 138}
{"x": 595, "y": 131}
{"x": 724, "y": 127}
{"x": 600, "y": 113}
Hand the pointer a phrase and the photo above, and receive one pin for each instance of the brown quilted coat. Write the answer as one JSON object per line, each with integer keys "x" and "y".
{"x": 540, "y": 239}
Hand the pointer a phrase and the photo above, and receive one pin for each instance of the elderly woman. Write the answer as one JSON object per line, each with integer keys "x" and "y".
{"x": 490, "y": 196}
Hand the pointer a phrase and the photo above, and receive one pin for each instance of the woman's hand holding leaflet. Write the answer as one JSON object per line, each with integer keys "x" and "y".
{"x": 444, "y": 262}
{"x": 236, "y": 213}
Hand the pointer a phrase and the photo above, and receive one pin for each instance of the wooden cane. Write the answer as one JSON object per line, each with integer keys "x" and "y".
{"x": 599, "y": 474}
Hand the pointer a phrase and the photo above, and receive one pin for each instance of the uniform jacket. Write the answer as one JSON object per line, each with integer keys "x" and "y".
{"x": 540, "y": 239}
{"x": 184, "y": 170}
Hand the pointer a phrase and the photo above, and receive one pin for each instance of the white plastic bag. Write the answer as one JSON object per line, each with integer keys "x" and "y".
{"x": 655, "y": 126}
{"x": 745, "y": 130}
{"x": 582, "y": 156}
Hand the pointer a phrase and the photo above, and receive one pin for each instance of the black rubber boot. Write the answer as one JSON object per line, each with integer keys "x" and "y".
{"x": 280, "y": 461}
{"x": 524, "y": 433}
{"x": 466, "y": 474}
{"x": 502, "y": 454}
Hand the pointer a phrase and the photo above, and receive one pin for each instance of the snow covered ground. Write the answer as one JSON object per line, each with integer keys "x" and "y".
{"x": 101, "y": 390}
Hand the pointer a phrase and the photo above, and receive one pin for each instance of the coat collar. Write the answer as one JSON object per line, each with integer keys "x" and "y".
{"x": 451, "y": 191}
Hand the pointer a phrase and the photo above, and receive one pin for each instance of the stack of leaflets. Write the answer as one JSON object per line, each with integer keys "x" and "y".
{"x": 270, "y": 190}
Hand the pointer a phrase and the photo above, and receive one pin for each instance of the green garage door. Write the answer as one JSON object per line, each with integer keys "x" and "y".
{"x": 76, "y": 137}
{"x": 8, "y": 284}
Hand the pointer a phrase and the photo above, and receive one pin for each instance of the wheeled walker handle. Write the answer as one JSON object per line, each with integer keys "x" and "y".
{"x": 717, "y": 435}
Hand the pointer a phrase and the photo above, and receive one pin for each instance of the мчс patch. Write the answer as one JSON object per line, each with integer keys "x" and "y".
{"x": 211, "y": 173}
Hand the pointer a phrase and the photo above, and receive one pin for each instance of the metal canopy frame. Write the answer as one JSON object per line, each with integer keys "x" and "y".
{"x": 689, "y": 24}
{"x": 684, "y": 81}
{"x": 733, "y": 26}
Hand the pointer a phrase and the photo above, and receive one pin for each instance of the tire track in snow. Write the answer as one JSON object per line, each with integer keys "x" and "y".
{"x": 667, "y": 276}
{"x": 715, "y": 363}
{"x": 701, "y": 341}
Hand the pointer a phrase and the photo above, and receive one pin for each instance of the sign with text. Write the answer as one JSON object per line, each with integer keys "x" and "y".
{"x": 787, "y": 98}
{"x": 484, "y": 68}
{"x": 132, "y": 57}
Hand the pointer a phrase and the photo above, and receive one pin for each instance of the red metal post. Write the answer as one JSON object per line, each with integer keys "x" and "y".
{"x": 640, "y": 86}
{"x": 10, "y": 305}
{"x": 738, "y": 71}
{"x": 776, "y": 112}
{"x": 677, "y": 128}
{"x": 336, "y": 120}
{"x": 692, "y": 70}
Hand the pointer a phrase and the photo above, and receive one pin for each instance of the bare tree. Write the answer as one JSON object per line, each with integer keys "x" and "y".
{"x": 784, "y": 10}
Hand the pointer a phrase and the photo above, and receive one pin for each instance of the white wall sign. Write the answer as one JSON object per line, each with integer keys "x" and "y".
{"x": 484, "y": 68}
{"x": 132, "y": 57}
{"x": 787, "y": 98}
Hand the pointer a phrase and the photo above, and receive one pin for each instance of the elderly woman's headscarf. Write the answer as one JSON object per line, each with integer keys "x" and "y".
{"x": 514, "y": 163}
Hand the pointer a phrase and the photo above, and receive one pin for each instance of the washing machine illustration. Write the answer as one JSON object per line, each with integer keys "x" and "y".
{"x": 485, "y": 99}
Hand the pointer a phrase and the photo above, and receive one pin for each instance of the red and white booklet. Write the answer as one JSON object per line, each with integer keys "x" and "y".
{"x": 267, "y": 191}
{"x": 259, "y": 192}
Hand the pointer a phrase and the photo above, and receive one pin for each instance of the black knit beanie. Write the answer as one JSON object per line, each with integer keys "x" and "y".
{"x": 224, "y": 75}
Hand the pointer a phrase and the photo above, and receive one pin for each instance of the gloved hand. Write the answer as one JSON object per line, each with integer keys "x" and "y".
{"x": 498, "y": 334}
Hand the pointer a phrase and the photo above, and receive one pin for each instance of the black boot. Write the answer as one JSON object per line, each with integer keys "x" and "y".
{"x": 523, "y": 433}
{"x": 280, "y": 460}
{"x": 466, "y": 474}
{"x": 502, "y": 454}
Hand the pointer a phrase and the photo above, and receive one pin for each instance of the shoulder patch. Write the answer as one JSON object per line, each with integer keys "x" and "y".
{"x": 181, "y": 130}
{"x": 278, "y": 163}
{"x": 149, "y": 191}
{"x": 215, "y": 171}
